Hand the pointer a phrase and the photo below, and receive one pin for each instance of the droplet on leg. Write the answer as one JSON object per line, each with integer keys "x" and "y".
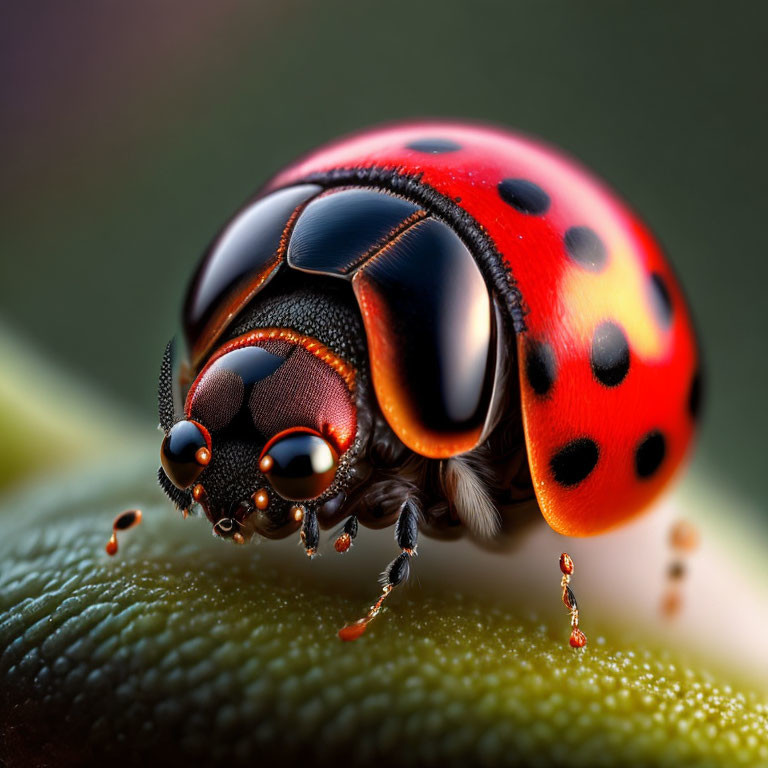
{"x": 122, "y": 522}
{"x": 342, "y": 543}
{"x": 353, "y": 631}
{"x": 578, "y": 639}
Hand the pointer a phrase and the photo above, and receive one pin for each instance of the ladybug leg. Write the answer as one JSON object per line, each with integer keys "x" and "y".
{"x": 683, "y": 540}
{"x": 407, "y": 526}
{"x": 181, "y": 499}
{"x": 577, "y": 639}
{"x": 310, "y": 530}
{"x": 122, "y": 522}
{"x": 347, "y": 535}
{"x": 406, "y": 536}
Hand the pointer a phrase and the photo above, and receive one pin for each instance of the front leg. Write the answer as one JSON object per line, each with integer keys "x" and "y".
{"x": 406, "y": 536}
{"x": 310, "y": 530}
{"x": 346, "y": 536}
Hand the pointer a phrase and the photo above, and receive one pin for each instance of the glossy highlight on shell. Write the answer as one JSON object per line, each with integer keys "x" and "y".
{"x": 431, "y": 326}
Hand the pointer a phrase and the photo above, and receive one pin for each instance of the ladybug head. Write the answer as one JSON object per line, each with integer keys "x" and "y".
{"x": 268, "y": 423}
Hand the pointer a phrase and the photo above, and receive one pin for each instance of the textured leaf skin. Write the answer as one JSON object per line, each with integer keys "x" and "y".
{"x": 184, "y": 649}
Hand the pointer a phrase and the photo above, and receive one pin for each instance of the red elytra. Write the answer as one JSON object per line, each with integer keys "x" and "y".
{"x": 563, "y": 302}
{"x": 606, "y": 353}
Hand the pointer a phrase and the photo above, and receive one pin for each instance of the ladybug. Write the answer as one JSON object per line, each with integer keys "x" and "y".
{"x": 432, "y": 325}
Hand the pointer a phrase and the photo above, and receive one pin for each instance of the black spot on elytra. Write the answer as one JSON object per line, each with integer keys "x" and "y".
{"x": 434, "y": 146}
{"x": 540, "y": 366}
{"x": 649, "y": 454}
{"x": 524, "y": 195}
{"x": 694, "y": 397}
{"x": 586, "y": 248}
{"x": 574, "y": 461}
{"x": 610, "y": 354}
{"x": 661, "y": 300}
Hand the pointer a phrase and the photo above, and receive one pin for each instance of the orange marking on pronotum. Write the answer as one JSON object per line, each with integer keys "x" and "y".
{"x": 341, "y": 366}
{"x": 122, "y": 522}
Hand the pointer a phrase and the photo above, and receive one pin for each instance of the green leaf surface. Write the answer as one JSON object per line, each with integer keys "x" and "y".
{"x": 186, "y": 649}
{"x": 50, "y": 419}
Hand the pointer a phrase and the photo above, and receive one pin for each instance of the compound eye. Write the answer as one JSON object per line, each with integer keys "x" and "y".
{"x": 300, "y": 463}
{"x": 185, "y": 453}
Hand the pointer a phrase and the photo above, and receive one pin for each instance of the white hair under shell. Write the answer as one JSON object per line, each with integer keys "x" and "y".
{"x": 467, "y": 494}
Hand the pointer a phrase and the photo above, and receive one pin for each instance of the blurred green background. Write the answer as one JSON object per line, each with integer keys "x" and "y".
{"x": 131, "y": 131}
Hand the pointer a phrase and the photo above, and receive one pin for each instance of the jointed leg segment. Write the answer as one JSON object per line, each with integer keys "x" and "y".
{"x": 406, "y": 535}
{"x": 348, "y": 533}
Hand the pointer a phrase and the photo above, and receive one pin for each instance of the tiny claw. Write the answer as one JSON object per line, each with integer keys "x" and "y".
{"x": 353, "y": 631}
{"x": 342, "y": 543}
{"x": 578, "y": 639}
{"x": 566, "y": 564}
